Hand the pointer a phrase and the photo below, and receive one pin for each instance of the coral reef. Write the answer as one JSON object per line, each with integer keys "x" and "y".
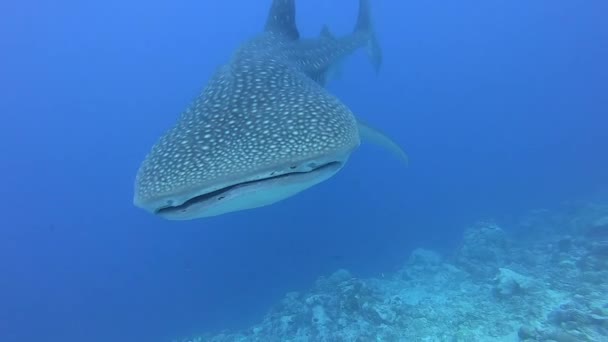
{"x": 544, "y": 280}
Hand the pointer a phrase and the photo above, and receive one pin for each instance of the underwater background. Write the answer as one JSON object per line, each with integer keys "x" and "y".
{"x": 501, "y": 106}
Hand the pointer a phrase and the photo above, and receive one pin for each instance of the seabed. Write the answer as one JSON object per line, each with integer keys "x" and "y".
{"x": 543, "y": 279}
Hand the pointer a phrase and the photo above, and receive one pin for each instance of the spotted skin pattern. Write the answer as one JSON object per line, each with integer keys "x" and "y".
{"x": 264, "y": 109}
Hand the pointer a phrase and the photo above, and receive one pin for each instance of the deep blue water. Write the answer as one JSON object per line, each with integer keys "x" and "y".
{"x": 502, "y": 107}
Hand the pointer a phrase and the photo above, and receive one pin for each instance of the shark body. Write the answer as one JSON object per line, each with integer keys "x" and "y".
{"x": 263, "y": 129}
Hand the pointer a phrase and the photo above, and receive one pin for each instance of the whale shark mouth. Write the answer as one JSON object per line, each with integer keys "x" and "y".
{"x": 217, "y": 195}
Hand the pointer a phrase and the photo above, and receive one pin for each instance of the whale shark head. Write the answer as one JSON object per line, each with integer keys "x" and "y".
{"x": 259, "y": 133}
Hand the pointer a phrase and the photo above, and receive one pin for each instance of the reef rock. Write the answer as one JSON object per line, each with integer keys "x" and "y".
{"x": 510, "y": 283}
{"x": 484, "y": 249}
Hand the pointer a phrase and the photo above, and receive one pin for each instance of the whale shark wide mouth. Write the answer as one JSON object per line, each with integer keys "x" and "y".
{"x": 292, "y": 177}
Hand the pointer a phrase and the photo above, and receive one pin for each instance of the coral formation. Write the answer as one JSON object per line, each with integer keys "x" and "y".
{"x": 545, "y": 279}
{"x": 510, "y": 283}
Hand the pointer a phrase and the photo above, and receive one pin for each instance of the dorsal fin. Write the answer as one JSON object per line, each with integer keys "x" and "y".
{"x": 326, "y": 33}
{"x": 282, "y": 19}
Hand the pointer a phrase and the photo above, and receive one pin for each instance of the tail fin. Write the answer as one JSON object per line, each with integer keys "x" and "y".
{"x": 365, "y": 25}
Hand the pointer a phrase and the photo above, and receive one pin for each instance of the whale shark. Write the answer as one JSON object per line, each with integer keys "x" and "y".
{"x": 264, "y": 128}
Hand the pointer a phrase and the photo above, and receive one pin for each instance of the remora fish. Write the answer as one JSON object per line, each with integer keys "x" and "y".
{"x": 263, "y": 129}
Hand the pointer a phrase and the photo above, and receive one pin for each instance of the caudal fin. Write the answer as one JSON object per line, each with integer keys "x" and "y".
{"x": 365, "y": 25}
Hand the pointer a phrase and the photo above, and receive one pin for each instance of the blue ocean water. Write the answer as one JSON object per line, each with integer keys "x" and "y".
{"x": 502, "y": 107}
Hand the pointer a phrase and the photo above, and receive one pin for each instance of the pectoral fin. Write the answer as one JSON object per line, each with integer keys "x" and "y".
{"x": 374, "y": 136}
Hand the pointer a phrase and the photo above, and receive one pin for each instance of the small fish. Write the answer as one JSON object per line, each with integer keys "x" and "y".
{"x": 264, "y": 128}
